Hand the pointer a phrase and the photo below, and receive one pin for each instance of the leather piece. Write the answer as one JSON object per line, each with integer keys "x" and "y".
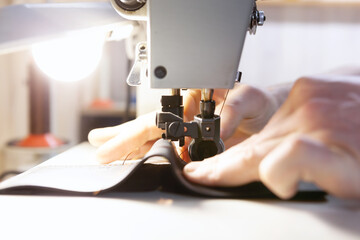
{"x": 133, "y": 176}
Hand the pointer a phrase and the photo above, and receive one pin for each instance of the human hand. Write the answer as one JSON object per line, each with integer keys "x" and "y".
{"x": 314, "y": 137}
{"x": 246, "y": 111}
{"x": 126, "y": 141}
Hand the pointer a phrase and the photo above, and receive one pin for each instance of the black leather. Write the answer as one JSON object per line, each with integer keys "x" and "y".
{"x": 137, "y": 176}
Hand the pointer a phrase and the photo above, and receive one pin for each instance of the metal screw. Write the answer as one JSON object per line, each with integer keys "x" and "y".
{"x": 130, "y": 5}
{"x": 160, "y": 72}
{"x": 261, "y": 18}
{"x": 207, "y": 129}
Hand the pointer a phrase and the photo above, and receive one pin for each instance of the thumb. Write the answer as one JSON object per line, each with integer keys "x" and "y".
{"x": 223, "y": 169}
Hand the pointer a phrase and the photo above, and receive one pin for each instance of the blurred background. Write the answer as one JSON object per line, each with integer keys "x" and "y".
{"x": 300, "y": 37}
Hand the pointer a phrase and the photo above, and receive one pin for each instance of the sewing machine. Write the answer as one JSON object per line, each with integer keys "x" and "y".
{"x": 190, "y": 45}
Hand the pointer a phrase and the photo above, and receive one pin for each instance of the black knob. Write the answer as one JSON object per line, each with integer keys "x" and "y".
{"x": 160, "y": 72}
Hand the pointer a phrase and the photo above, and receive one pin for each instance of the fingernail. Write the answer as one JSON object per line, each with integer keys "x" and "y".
{"x": 191, "y": 167}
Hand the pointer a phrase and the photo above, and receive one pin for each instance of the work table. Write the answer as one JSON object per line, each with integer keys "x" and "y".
{"x": 157, "y": 215}
{"x": 160, "y": 215}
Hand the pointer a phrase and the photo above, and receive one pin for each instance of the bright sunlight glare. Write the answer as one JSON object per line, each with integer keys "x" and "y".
{"x": 69, "y": 59}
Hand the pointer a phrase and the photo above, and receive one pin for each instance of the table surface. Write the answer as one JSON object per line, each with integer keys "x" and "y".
{"x": 158, "y": 215}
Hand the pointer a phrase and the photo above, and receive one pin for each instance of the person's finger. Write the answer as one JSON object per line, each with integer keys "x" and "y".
{"x": 99, "y": 136}
{"x": 246, "y": 108}
{"x": 235, "y": 139}
{"x": 133, "y": 135}
{"x": 191, "y": 104}
{"x": 145, "y": 124}
{"x": 142, "y": 150}
{"x": 303, "y": 158}
{"x": 236, "y": 166}
{"x": 219, "y": 95}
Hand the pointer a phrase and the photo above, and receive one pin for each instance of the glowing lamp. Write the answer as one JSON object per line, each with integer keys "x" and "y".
{"x": 69, "y": 59}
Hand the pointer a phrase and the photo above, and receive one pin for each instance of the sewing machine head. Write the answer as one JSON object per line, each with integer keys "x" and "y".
{"x": 190, "y": 44}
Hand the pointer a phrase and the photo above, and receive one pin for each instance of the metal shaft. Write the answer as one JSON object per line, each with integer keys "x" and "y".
{"x": 207, "y": 94}
{"x": 175, "y": 92}
{"x": 207, "y": 104}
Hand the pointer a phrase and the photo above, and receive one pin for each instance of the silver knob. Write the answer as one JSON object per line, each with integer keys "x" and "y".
{"x": 261, "y": 18}
{"x": 132, "y": 2}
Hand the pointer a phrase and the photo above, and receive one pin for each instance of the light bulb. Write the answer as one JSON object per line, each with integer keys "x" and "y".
{"x": 71, "y": 58}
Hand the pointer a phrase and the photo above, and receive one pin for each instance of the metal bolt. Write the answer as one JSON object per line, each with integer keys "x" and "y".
{"x": 129, "y": 1}
{"x": 130, "y": 5}
{"x": 160, "y": 72}
{"x": 261, "y": 18}
{"x": 207, "y": 129}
